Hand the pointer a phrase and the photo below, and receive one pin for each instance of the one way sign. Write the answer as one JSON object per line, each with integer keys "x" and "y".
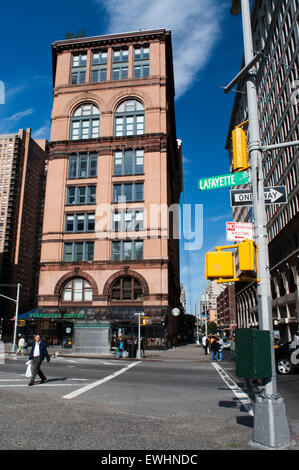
{"x": 272, "y": 195}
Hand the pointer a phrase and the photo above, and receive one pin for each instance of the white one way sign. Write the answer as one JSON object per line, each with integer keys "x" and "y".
{"x": 272, "y": 195}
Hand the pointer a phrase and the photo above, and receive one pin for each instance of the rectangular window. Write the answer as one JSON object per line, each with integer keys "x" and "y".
{"x": 116, "y": 251}
{"x": 128, "y": 192}
{"x": 68, "y": 252}
{"x": 90, "y": 222}
{"x": 120, "y": 55}
{"x": 99, "y": 57}
{"x": 91, "y": 194}
{"x": 78, "y": 251}
{"x": 79, "y": 222}
{"x": 127, "y": 221}
{"x": 141, "y": 70}
{"x": 81, "y": 191}
{"x": 78, "y": 73}
{"x": 129, "y": 162}
{"x": 81, "y": 195}
{"x": 141, "y": 53}
{"x": 71, "y": 195}
{"x": 69, "y": 223}
{"x": 98, "y": 74}
{"x": 83, "y": 165}
{"x": 141, "y": 62}
{"x": 120, "y": 71}
{"x": 127, "y": 250}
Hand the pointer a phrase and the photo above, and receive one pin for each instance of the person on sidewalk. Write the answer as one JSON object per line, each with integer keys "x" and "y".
{"x": 215, "y": 349}
{"x": 21, "y": 345}
{"x": 205, "y": 344}
{"x": 37, "y": 354}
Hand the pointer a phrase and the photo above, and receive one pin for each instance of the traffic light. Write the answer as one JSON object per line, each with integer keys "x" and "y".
{"x": 247, "y": 256}
{"x": 220, "y": 264}
{"x": 240, "y": 161}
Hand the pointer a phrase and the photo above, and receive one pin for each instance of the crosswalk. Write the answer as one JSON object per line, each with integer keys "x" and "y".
{"x": 14, "y": 380}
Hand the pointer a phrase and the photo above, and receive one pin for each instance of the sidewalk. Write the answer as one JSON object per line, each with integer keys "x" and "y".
{"x": 190, "y": 353}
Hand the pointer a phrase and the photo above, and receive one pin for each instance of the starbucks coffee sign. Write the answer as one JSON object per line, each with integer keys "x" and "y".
{"x": 56, "y": 316}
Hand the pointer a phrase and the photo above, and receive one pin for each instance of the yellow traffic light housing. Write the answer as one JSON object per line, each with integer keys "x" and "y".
{"x": 247, "y": 256}
{"x": 239, "y": 145}
{"x": 220, "y": 264}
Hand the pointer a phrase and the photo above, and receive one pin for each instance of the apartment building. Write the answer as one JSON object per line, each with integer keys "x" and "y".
{"x": 275, "y": 32}
{"x": 22, "y": 171}
{"x": 113, "y": 157}
{"x": 226, "y": 310}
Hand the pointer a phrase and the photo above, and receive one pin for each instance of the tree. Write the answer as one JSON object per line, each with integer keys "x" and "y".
{"x": 212, "y": 328}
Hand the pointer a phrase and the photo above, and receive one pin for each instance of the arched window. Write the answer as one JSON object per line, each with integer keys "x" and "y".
{"x": 126, "y": 289}
{"x": 85, "y": 122}
{"x": 77, "y": 290}
{"x": 129, "y": 118}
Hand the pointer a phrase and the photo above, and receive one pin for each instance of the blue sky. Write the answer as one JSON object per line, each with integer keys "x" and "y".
{"x": 207, "y": 50}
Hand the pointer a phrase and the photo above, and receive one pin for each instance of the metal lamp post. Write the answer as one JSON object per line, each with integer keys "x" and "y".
{"x": 270, "y": 422}
{"x": 17, "y": 301}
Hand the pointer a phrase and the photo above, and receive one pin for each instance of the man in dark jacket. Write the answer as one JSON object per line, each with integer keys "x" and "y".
{"x": 215, "y": 346}
{"x": 37, "y": 354}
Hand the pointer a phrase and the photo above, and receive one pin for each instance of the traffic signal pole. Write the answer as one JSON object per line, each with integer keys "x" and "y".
{"x": 17, "y": 302}
{"x": 270, "y": 422}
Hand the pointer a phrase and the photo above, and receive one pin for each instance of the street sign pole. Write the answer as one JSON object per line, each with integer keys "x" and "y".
{"x": 138, "y": 355}
{"x": 270, "y": 423}
{"x": 16, "y": 319}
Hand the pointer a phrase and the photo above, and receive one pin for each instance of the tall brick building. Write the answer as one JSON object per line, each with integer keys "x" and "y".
{"x": 22, "y": 174}
{"x": 113, "y": 154}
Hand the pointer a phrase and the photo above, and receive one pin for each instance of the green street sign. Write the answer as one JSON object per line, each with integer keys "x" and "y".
{"x": 216, "y": 182}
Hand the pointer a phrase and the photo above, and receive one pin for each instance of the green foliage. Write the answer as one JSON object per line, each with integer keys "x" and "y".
{"x": 79, "y": 34}
{"x": 212, "y": 328}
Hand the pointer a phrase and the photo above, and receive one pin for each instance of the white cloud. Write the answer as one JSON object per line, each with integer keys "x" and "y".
{"x": 43, "y": 132}
{"x": 17, "y": 116}
{"x": 195, "y": 27}
{"x": 217, "y": 218}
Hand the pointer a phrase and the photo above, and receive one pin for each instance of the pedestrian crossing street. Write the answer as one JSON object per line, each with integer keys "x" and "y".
{"x": 76, "y": 386}
{"x": 14, "y": 380}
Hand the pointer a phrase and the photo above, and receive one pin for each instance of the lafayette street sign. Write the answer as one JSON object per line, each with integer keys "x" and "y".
{"x": 216, "y": 182}
{"x": 272, "y": 195}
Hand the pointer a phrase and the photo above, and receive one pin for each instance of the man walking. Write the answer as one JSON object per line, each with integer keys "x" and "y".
{"x": 37, "y": 354}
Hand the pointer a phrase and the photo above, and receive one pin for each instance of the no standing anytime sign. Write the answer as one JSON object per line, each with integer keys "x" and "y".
{"x": 238, "y": 231}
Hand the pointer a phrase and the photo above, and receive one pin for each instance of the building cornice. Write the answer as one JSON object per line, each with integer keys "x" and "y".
{"x": 110, "y": 39}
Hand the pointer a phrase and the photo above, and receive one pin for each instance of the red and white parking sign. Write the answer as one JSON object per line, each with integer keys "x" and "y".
{"x": 238, "y": 231}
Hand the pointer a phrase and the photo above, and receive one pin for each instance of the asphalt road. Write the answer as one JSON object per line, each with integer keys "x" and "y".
{"x": 97, "y": 404}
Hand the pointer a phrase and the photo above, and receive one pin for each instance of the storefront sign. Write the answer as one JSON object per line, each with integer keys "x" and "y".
{"x": 55, "y": 316}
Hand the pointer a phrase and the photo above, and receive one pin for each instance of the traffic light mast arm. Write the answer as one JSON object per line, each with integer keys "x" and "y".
{"x": 242, "y": 124}
{"x": 238, "y": 279}
{"x": 226, "y": 247}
